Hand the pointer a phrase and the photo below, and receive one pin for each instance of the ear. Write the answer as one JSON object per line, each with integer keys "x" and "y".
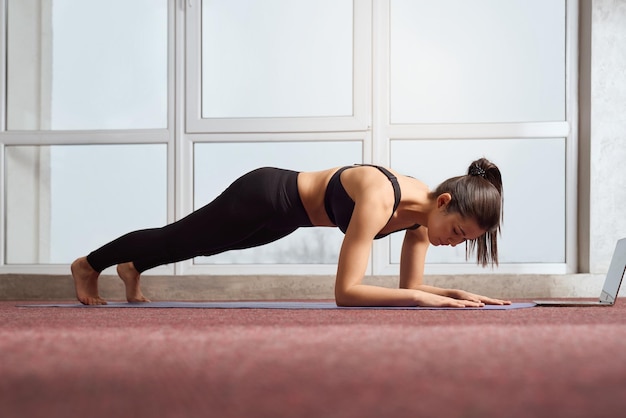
{"x": 443, "y": 200}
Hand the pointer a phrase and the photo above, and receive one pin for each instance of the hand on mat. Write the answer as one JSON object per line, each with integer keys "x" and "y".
{"x": 463, "y": 295}
{"x": 434, "y": 300}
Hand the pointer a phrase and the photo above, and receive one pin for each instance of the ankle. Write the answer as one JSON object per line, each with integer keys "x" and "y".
{"x": 128, "y": 270}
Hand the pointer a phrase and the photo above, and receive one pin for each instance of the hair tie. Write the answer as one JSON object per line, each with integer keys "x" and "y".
{"x": 477, "y": 171}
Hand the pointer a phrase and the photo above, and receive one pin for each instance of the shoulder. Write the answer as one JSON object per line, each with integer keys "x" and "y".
{"x": 416, "y": 240}
{"x": 418, "y": 234}
{"x": 368, "y": 184}
{"x": 364, "y": 177}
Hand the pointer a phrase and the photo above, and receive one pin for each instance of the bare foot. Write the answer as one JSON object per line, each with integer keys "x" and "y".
{"x": 86, "y": 282}
{"x": 131, "y": 277}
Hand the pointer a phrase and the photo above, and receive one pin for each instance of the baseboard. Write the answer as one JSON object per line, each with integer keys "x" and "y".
{"x": 61, "y": 287}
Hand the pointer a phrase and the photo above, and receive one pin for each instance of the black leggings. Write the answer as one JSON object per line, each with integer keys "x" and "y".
{"x": 259, "y": 207}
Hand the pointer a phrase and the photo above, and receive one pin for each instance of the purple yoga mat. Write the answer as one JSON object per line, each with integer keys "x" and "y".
{"x": 261, "y": 305}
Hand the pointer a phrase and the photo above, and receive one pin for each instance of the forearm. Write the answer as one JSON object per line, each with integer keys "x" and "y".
{"x": 366, "y": 295}
{"x": 434, "y": 290}
{"x": 463, "y": 295}
{"x": 416, "y": 284}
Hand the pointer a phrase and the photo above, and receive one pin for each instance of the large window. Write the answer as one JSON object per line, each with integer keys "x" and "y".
{"x": 127, "y": 114}
{"x": 278, "y": 66}
{"x": 87, "y": 136}
{"x": 63, "y": 199}
{"x": 217, "y": 164}
{"x": 264, "y": 59}
{"x": 479, "y": 61}
{"x": 485, "y": 78}
{"x": 87, "y": 65}
{"x": 530, "y": 168}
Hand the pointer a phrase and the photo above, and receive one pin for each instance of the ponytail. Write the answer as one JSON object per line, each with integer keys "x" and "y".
{"x": 478, "y": 196}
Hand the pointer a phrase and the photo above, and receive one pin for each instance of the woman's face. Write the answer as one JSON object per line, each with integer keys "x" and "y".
{"x": 446, "y": 228}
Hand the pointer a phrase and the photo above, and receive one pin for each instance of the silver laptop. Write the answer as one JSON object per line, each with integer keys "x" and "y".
{"x": 611, "y": 283}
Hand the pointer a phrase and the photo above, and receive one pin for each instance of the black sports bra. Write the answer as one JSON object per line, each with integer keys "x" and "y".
{"x": 339, "y": 206}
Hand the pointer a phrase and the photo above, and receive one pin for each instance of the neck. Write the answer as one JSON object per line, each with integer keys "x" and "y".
{"x": 420, "y": 208}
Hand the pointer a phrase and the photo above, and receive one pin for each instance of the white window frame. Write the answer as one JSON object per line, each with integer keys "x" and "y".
{"x": 287, "y": 129}
{"x": 186, "y": 196}
{"x": 370, "y": 124}
{"x": 384, "y": 132}
{"x": 360, "y": 120}
{"x": 86, "y": 137}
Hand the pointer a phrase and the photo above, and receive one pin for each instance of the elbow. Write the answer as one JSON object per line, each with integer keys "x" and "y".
{"x": 341, "y": 299}
{"x": 344, "y": 298}
{"x": 343, "y": 303}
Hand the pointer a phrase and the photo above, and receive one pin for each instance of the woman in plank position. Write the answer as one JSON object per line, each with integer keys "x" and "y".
{"x": 366, "y": 202}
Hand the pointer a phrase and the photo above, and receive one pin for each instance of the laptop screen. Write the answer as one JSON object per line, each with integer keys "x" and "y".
{"x": 615, "y": 273}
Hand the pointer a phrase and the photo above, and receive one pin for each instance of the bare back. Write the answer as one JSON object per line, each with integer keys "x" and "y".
{"x": 359, "y": 182}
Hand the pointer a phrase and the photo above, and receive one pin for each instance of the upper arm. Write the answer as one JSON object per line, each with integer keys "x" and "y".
{"x": 370, "y": 215}
{"x": 413, "y": 257}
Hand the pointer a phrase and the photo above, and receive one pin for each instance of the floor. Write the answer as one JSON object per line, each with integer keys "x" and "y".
{"x": 59, "y": 362}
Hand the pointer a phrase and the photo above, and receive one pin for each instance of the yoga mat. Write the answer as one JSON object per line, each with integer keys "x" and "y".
{"x": 262, "y": 305}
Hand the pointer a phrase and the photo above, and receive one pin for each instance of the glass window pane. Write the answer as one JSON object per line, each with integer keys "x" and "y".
{"x": 533, "y": 171}
{"x": 448, "y": 56}
{"x": 87, "y": 64}
{"x": 216, "y": 165}
{"x": 276, "y": 58}
{"x": 64, "y": 201}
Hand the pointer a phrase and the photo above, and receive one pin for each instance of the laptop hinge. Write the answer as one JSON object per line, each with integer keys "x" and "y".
{"x": 606, "y": 298}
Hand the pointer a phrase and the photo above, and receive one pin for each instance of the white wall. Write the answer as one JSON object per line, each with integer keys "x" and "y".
{"x": 603, "y": 127}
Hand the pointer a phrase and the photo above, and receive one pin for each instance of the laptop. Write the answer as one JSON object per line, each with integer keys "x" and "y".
{"x": 611, "y": 284}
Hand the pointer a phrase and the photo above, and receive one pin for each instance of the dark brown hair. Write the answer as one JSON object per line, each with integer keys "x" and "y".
{"x": 477, "y": 195}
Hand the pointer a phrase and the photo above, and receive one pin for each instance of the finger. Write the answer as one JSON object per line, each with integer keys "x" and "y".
{"x": 490, "y": 301}
{"x": 462, "y": 305}
{"x": 487, "y": 300}
{"x": 454, "y": 303}
{"x": 476, "y": 298}
{"x": 472, "y": 303}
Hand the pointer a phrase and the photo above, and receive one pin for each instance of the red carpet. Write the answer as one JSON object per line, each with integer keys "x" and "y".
{"x": 538, "y": 362}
